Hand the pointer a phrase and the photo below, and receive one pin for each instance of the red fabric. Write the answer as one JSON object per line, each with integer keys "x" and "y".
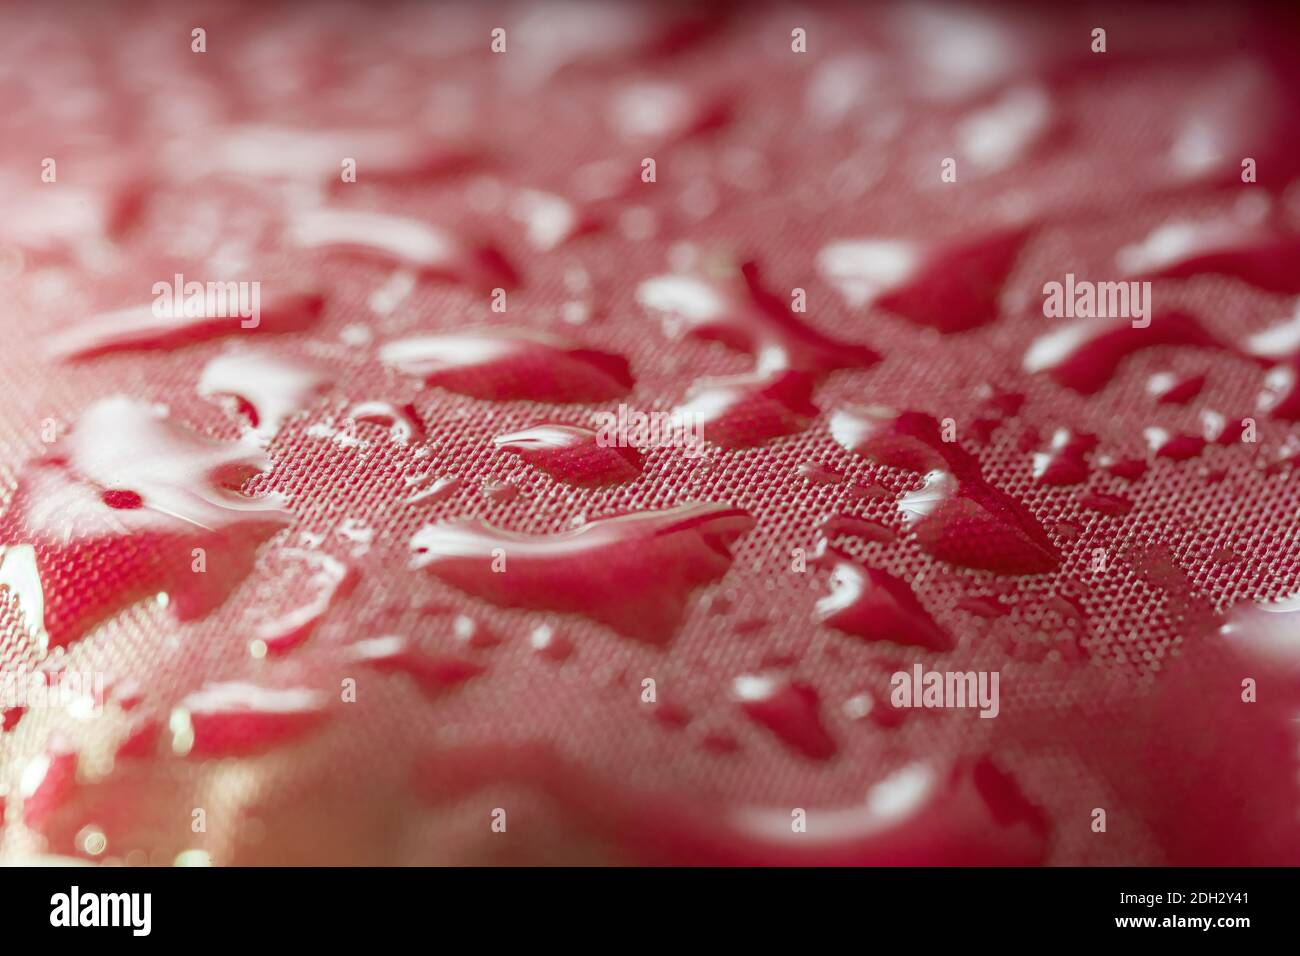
{"x": 823, "y": 543}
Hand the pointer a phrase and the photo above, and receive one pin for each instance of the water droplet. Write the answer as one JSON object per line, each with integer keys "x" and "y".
{"x": 1170, "y": 389}
{"x": 1175, "y": 447}
{"x": 985, "y": 607}
{"x": 1267, "y": 630}
{"x": 402, "y": 421}
{"x": 1085, "y": 355}
{"x": 502, "y": 491}
{"x": 956, "y": 514}
{"x": 550, "y": 643}
{"x": 400, "y": 241}
{"x": 789, "y": 709}
{"x": 849, "y": 526}
{"x": 1110, "y": 505}
{"x": 1279, "y": 395}
{"x": 1130, "y": 469}
{"x": 819, "y": 474}
{"x": 774, "y": 399}
{"x": 550, "y": 220}
{"x": 506, "y": 365}
{"x": 73, "y": 216}
{"x": 739, "y": 312}
{"x": 185, "y": 484}
{"x": 1242, "y": 246}
{"x": 876, "y": 606}
{"x": 573, "y": 455}
{"x": 328, "y": 581}
{"x": 1236, "y": 109}
{"x": 742, "y": 411}
{"x": 238, "y": 719}
{"x": 473, "y": 634}
{"x": 999, "y": 135}
{"x": 1277, "y": 342}
{"x": 1221, "y": 429}
{"x": 882, "y": 713}
{"x": 269, "y": 388}
{"x": 432, "y": 673}
{"x": 633, "y": 573}
{"x": 140, "y": 328}
{"x": 276, "y": 152}
{"x": 964, "y": 813}
{"x": 431, "y": 489}
{"x": 951, "y": 286}
{"x": 1064, "y": 463}
{"x": 663, "y": 113}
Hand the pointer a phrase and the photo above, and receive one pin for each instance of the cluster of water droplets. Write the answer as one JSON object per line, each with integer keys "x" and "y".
{"x": 129, "y": 497}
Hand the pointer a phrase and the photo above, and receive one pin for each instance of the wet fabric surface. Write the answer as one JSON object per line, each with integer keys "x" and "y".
{"x": 382, "y": 576}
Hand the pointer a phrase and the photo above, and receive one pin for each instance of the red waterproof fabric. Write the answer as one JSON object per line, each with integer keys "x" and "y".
{"x": 292, "y": 551}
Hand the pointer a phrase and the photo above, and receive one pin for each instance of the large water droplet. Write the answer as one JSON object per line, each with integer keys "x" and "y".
{"x": 633, "y": 573}
{"x": 276, "y": 152}
{"x": 956, "y": 515}
{"x": 506, "y": 365}
{"x": 573, "y": 455}
{"x": 399, "y": 241}
{"x": 949, "y": 286}
{"x": 94, "y": 556}
{"x": 239, "y": 719}
{"x": 774, "y": 399}
{"x": 1243, "y": 246}
{"x": 1085, "y": 355}
{"x": 269, "y": 388}
{"x": 144, "y": 328}
{"x": 402, "y": 421}
{"x": 1001, "y": 134}
{"x": 966, "y": 813}
{"x": 876, "y": 606}
{"x": 328, "y": 580}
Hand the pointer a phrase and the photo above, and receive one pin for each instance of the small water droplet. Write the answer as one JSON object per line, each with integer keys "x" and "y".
{"x": 239, "y": 719}
{"x": 789, "y": 709}
{"x": 1065, "y": 463}
{"x": 874, "y": 605}
{"x": 432, "y": 673}
{"x": 402, "y": 421}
